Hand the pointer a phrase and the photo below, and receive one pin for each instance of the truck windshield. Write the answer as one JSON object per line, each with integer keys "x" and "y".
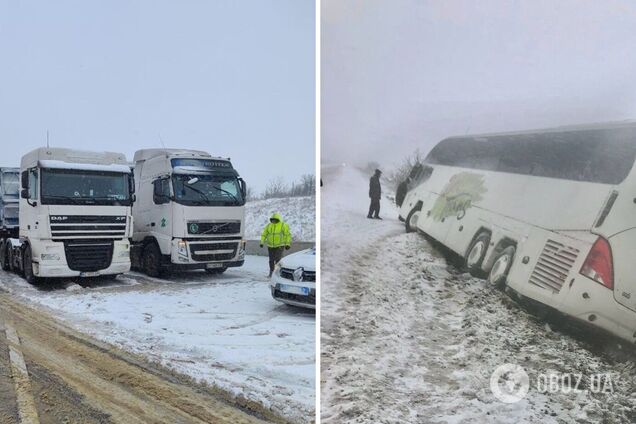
{"x": 10, "y": 183}
{"x": 207, "y": 190}
{"x": 71, "y": 186}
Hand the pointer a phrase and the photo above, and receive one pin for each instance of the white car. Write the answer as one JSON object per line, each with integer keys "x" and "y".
{"x": 294, "y": 279}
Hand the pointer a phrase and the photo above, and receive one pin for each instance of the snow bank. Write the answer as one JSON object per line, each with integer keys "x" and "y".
{"x": 298, "y": 212}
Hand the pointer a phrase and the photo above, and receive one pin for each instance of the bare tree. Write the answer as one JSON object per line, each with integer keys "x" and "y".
{"x": 276, "y": 188}
{"x": 400, "y": 174}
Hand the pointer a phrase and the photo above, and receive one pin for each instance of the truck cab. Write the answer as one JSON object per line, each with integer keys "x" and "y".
{"x": 189, "y": 214}
{"x": 75, "y": 215}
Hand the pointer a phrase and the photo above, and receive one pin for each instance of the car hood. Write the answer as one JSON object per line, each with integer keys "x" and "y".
{"x": 305, "y": 259}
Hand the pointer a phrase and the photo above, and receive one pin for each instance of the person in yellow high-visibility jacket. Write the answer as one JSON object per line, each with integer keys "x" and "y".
{"x": 277, "y": 237}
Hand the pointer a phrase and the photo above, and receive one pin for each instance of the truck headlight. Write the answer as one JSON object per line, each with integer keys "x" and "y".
{"x": 50, "y": 257}
{"x": 182, "y": 248}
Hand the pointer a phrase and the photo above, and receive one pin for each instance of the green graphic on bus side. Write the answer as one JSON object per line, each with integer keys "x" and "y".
{"x": 461, "y": 192}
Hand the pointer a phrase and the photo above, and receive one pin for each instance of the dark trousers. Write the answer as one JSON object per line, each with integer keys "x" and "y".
{"x": 275, "y": 255}
{"x": 374, "y": 208}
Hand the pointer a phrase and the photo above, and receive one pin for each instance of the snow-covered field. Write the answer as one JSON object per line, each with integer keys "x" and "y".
{"x": 298, "y": 212}
{"x": 223, "y": 330}
{"x": 408, "y": 338}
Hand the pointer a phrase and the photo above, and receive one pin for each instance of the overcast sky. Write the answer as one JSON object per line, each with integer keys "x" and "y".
{"x": 402, "y": 74}
{"x": 235, "y": 78}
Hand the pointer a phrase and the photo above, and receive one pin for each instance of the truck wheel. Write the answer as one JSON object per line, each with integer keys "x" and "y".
{"x": 27, "y": 266}
{"x": 4, "y": 256}
{"x": 152, "y": 260}
{"x": 411, "y": 219}
{"x": 476, "y": 253}
{"x": 216, "y": 270}
{"x": 499, "y": 272}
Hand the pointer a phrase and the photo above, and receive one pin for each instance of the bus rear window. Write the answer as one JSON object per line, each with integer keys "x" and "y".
{"x": 600, "y": 155}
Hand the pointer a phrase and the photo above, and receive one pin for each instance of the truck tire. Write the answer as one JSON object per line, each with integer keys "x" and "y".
{"x": 4, "y": 256}
{"x": 151, "y": 260}
{"x": 27, "y": 266}
{"x": 215, "y": 271}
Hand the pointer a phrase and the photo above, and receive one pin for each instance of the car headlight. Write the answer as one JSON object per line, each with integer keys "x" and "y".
{"x": 277, "y": 269}
{"x": 182, "y": 248}
{"x": 50, "y": 257}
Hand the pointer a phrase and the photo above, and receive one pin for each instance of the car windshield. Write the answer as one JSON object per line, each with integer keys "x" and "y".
{"x": 10, "y": 184}
{"x": 66, "y": 187}
{"x": 207, "y": 190}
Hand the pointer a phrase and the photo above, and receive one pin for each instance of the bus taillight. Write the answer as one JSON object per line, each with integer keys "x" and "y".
{"x": 598, "y": 264}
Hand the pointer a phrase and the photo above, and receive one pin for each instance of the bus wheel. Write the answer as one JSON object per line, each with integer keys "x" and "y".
{"x": 152, "y": 260}
{"x": 4, "y": 256}
{"x": 411, "y": 219}
{"x": 27, "y": 266}
{"x": 499, "y": 271}
{"x": 476, "y": 253}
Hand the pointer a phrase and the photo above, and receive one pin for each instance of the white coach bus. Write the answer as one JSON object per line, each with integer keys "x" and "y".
{"x": 549, "y": 213}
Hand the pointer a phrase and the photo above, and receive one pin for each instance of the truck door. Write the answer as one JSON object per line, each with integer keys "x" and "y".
{"x": 160, "y": 215}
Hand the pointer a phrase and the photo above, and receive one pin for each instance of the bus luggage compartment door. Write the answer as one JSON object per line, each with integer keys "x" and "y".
{"x": 623, "y": 254}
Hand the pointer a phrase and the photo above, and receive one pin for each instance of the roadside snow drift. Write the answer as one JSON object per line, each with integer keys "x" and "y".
{"x": 298, "y": 212}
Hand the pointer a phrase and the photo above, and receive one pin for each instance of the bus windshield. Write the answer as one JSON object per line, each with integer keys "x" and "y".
{"x": 71, "y": 186}
{"x": 207, "y": 190}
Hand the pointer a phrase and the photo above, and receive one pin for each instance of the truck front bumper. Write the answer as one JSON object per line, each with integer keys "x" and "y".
{"x": 200, "y": 254}
{"x": 49, "y": 260}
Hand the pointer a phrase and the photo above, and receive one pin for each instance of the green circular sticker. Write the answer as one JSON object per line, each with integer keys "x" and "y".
{"x": 194, "y": 228}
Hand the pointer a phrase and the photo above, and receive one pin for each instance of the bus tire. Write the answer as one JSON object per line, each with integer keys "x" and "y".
{"x": 476, "y": 253}
{"x": 4, "y": 256}
{"x": 498, "y": 274}
{"x": 27, "y": 266}
{"x": 411, "y": 219}
{"x": 151, "y": 260}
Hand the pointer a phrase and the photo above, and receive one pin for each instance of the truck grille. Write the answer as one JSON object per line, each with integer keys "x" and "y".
{"x": 228, "y": 227}
{"x": 88, "y": 256}
{"x": 208, "y": 252}
{"x": 288, "y": 273}
{"x": 74, "y": 226}
{"x": 553, "y": 266}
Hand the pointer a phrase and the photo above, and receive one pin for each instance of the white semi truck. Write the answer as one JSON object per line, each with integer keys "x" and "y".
{"x": 75, "y": 215}
{"x": 189, "y": 213}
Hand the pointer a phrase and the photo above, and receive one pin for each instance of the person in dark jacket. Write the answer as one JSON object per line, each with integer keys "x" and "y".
{"x": 375, "y": 192}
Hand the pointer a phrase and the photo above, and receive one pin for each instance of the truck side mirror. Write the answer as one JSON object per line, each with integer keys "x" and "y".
{"x": 24, "y": 194}
{"x": 24, "y": 179}
{"x": 243, "y": 187}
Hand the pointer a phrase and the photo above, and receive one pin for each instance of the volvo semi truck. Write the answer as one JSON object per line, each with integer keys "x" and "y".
{"x": 9, "y": 197}
{"x": 189, "y": 213}
{"x": 75, "y": 217}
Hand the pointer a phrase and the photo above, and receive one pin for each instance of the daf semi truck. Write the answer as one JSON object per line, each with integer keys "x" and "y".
{"x": 9, "y": 197}
{"x": 189, "y": 213}
{"x": 75, "y": 217}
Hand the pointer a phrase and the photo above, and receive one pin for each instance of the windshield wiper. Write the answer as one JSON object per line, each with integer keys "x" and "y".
{"x": 196, "y": 190}
{"x": 227, "y": 192}
{"x": 59, "y": 197}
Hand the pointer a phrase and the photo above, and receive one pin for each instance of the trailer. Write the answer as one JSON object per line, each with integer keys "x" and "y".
{"x": 189, "y": 214}
{"x": 9, "y": 198}
{"x": 74, "y": 213}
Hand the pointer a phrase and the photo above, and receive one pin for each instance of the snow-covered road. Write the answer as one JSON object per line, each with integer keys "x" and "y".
{"x": 225, "y": 331}
{"x": 408, "y": 338}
